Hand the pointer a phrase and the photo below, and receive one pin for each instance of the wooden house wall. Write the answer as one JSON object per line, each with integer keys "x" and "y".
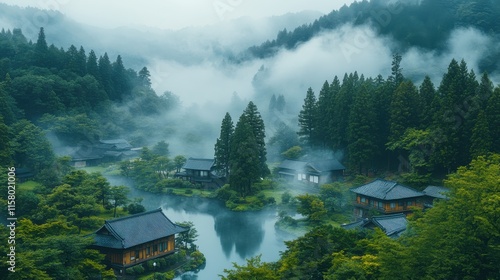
{"x": 388, "y": 206}
{"x": 141, "y": 253}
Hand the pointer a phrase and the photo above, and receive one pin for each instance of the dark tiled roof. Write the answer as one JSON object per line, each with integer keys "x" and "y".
{"x": 136, "y": 229}
{"x": 118, "y": 144}
{"x": 293, "y": 165}
{"x": 199, "y": 164}
{"x": 386, "y": 190}
{"x": 437, "y": 192}
{"x": 392, "y": 225}
{"x": 326, "y": 165}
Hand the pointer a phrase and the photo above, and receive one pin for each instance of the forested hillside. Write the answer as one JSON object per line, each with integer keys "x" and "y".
{"x": 394, "y": 125}
{"x": 71, "y": 95}
{"x": 423, "y": 24}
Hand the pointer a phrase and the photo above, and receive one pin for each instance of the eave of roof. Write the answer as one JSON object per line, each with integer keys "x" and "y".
{"x": 386, "y": 190}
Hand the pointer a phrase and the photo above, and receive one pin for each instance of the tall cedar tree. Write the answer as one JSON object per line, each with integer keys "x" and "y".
{"x": 404, "y": 110}
{"x": 41, "y": 49}
{"x": 323, "y": 116}
{"x": 308, "y": 119}
{"x": 362, "y": 130}
{"x": 244, "y": 159}
{"x": 427, "y": 93}
{"x": 330, "y": 112}
{"x": 105, "y": 76}
{"x": 92, "y": 68}
{"x": 481, "y": 137}
{"x": 257, "y": 124}
{"x": 493, "y": 119}
{"x": 341, "y": 108}
{"x": 223, "y": 146}
{"x": 456, "y": 90}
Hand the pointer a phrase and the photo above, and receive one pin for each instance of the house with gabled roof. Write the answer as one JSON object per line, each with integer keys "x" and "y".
{"x": 200, "y": 171}
{"x": 103, "y": 151}
{"x": 392, "y": 225}
{"x": 318, "y": 171}
{"x": 134, "y": 239}
{"x": 386, "y": 197}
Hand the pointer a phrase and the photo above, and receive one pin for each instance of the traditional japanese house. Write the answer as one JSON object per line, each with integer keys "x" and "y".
{"x": 101, "y": 151}
{"x": 385, "y": 197}
{"x": 200, "y": 171}
{"x": 134, "y": 239}
{"x": 318, "y": 172}
{"x": 392, "y": 225}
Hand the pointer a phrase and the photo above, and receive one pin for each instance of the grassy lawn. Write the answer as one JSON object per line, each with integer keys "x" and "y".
{"x": 192, "y": 192}
{"x": 105, "y": 169}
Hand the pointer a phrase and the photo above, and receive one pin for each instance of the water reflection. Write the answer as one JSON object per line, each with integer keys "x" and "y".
{"x": 224, "y": 236}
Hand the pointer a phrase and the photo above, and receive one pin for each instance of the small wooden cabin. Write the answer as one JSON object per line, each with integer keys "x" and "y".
{"x": 200, "y": 171}
{"x": 392, "y": 225}
{"x": 386, "y": 197}
{"x": 316, "y": 172}
{"x": 134, "y": 239}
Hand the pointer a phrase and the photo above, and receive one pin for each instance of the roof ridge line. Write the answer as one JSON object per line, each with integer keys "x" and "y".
{"x": 133, "y": 216}
{"x": 391, "y": 187}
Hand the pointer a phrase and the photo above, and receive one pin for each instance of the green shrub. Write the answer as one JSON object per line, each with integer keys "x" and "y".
{"x": 188, "y": 191}
{"x": 129, "y": 271}
{"x": 285, "y": 197}
{"x": 138, "y": 269}
{"x": 170, "y": 191}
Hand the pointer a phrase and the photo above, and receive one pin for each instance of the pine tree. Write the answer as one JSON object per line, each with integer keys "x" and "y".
{"x": 92, "y": 68}
{"x": 105, "y": 73}
{"x": 397, "y": 72}
{"x": 272, "y": 104}
{"x": 145, "y": 77}
{"x": 257, "y": 124}
{"x": 121, "y": 82}
{"x": 323, "y": 110}
{"x": 493, "y": 119}
{"x": 223, "y": 146}
{"x": 41, "y": 49}
{"x": 480, "y": 138}
{"x": 362, "y": 146}
{"x": 244, "y": 159}
{"x": 280, "y": 103}
{"x": 308, "y": 119}
{"x": 404, "y": 110}
{"x": 427, "y": 94}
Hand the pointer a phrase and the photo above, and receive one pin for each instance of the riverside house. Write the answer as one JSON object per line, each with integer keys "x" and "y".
{"x": 134, "y": 239}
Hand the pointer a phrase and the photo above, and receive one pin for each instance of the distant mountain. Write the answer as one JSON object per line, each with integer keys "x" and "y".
{"x": 425, "y": 24}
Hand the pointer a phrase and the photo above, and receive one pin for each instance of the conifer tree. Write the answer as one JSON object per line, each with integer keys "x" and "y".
{"x": 404, "y": 110}
{"x": 427, "y": 94}
{"x": 493, "y": 119}
{"x": 480, "y": 138}
{"x": 323, "y": 115}
{"x": 257, "y": 124}
{"x": 223, "y": 146}
{"x": 244, "y": 159}
{"x": 362, "y": 146}
{"x": 41, "y": 49}
{"x": 272, "y": 104}
{"x": 308, "y": 119}
{"x": 145, "y": 77}
{"x": 105, "y": 73}
{"x": 92, "y": 68}
{"x": 280, "y": 103}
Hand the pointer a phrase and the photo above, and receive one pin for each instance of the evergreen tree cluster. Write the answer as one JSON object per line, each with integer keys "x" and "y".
{"x": 392, "y": 124}
{"x": 73, "y": 95}
{"x": 240, "y": 152}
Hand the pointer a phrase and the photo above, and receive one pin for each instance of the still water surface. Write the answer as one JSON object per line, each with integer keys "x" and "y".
{"x": 224, "y": 236}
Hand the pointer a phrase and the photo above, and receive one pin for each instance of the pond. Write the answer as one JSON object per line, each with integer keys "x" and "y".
{"x": 224, "y": 236}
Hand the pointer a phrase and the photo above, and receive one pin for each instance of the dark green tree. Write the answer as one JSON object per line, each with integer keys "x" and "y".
{"x": 308, "y": 119}
{"x": 92, "y": 67}
{"x": 145, "y": 77}
{"x": 493, "y": 119}
{"x": 223, "y": 146}
{"x": 323, "y": 115}
{"x": 404, "y": 110}
{"x": 256, "y": 123}
{"x": 41, "y": 49}
{"x": 161, "y": 148}
{"x": 362, "y": 131}
{"x": 244, "y": 159}
{"x": 118, "y": 197}
{"x": 427, "y": 94}
{"x": 481, "y": 137}
{"x": 280, "y": 103}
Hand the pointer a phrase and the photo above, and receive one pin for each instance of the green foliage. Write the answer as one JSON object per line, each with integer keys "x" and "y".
{"x": 187, "y": 237}
{"x": 308, "y": 119}
{"x": 223, "y": 146}
{"x": 254, "y": 269}
{"x": 294, "y": 152}
{"x": 286, "y": 197}
{"x": 312, "y": 207}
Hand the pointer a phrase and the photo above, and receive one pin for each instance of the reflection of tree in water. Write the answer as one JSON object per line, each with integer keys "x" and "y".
{"x": 240, "y": 230}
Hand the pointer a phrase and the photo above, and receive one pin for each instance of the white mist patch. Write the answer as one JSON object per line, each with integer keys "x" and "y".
{"x": 468, "y": 44}
{"x": 337, "y": 52}
{"x": 205, "y": 82}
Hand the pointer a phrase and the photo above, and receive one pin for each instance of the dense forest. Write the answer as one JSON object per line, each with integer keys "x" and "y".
{"x": 424, "y": 24}
{"x": 394, "y": 125}
{"x": 70, "y": 95}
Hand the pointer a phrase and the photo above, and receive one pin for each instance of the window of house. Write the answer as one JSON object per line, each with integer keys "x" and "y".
{"x": 203, "y": 173}
{"x": 314, "y": 179}
{"x": 409, "y": 203}
{"x": 401, "y": 204}
{"x": 393, "y": 205}
{"x": 380, "y": 204}
{"x": 155, "y": 248}
{"x": 148, "y": 250}
{"x": 136, "y": 254}
{"x": 363, "y": 200}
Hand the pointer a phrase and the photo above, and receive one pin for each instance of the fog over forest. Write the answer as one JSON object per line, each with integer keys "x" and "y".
{"x": 207, "y": 68}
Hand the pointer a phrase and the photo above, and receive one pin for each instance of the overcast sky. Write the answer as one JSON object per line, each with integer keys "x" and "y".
{"x": 174, "y": 14}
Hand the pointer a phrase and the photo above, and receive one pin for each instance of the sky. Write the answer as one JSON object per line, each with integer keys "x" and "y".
{"x": 174, "y": 14}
